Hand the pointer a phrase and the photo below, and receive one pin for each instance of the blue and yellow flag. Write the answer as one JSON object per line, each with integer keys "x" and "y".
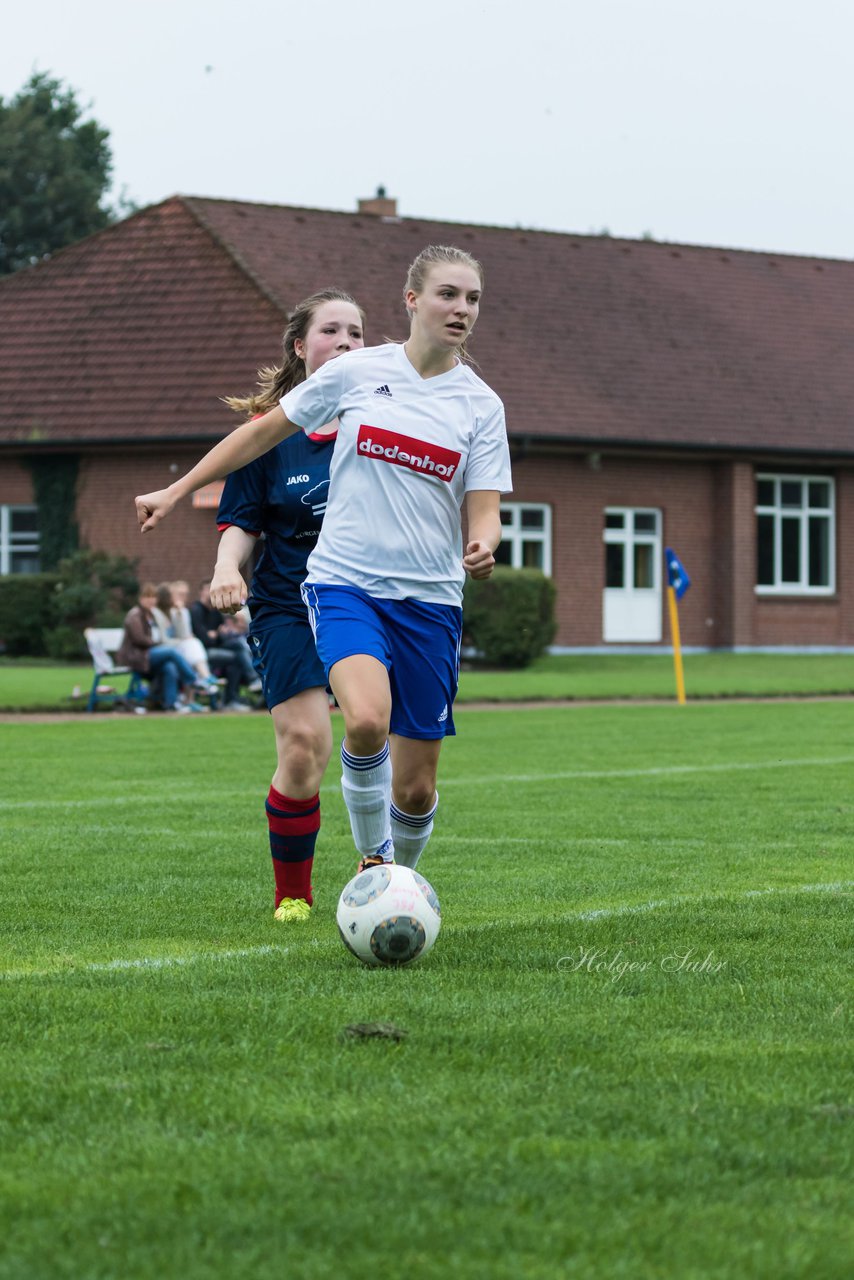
{"x": 677, "y": 578}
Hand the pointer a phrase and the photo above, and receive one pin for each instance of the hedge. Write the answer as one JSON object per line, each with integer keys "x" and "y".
{"x": 509, "y": 618}
{"x": 27, "y": 613}
{"x": 44, "y": 614}
{"x": 95, "y": 589}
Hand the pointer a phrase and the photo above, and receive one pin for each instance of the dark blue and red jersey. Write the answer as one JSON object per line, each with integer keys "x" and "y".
{"x": 282, "y": 495}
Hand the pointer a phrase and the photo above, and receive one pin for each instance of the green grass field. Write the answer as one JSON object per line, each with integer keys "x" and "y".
{"x": 28, "y": 685}
{"x": 628, "y": 1056}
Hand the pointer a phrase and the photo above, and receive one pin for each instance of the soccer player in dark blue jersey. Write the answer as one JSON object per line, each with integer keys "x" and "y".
{"x": 422, "y": 441}
{"x": 282, "y": 495}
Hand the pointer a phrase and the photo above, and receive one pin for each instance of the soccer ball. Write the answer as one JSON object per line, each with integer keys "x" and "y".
{"x": 388, "y": 915}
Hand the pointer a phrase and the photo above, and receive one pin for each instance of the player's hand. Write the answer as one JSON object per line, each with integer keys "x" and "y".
{"x": 229, "y": 592}
{"x": 152, "y": 507}
{"x": 478, "y": 560}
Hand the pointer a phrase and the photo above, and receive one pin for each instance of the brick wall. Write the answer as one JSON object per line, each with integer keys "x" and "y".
{"x": 793, "y": 621}
{"x": 183, "y": 547}
{"x": 579, "y": 490}
{"x": 845, "y": 554}
{"x": 16, "y": 483}
{"x": 732, "y": 553}
{"x": 707, "y": 517}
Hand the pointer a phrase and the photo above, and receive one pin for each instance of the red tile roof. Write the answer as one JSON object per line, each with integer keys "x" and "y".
{"x": 134, "y": 333}
{"x": 131, "y": 334}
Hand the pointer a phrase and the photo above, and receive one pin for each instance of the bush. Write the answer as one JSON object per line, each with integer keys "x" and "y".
{"x": 509, "y": 618}
{"x": 27, "y": 613}
{"x": 93, "y": 589}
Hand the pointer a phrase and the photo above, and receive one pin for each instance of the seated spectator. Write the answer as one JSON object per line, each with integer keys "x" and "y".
{"x": 173, "y": 612}
{"x": 143, "y": 651}
{"x": 192, "y": 649}
{"x": 227, "y": 648}
{"x": 161, "y": 624}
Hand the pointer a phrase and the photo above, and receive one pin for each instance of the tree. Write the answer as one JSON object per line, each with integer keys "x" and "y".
{"x": 54, "y": 171}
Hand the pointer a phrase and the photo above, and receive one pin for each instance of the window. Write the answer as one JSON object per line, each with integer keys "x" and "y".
{"x": 632, "y": 548}
{"x": 526, "y": 536}
{"x": 19, "y": 540}
{"x": 795, "y": 535}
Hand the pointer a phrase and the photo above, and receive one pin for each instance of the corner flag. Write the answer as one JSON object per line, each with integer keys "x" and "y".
{"x": 677, "y": 578}
{"x": 678, "y": 583}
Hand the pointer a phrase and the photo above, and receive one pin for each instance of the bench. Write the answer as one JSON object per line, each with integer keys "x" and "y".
{"x": 103, "y": 644}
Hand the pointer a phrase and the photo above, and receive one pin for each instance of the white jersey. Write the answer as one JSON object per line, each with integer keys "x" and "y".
{"x": 408, "y": 450}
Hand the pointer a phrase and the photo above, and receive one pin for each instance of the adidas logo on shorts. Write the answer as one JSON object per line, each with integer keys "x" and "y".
{"x": 444, "y": 714}
{"x": 383, "y": 391}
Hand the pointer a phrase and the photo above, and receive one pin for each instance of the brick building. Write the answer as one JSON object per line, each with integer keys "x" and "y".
{"x": 655, "y": 394}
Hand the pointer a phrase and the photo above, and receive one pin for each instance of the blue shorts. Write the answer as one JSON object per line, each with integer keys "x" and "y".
{"x": 284, "y": 656}
{"x": 417, "y": 643}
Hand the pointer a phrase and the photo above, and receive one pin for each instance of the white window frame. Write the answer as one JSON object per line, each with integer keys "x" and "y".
{"x": 803, "y": 514}
{"x": 9, "y": 542}
{"x": 514, "y": 536}
{"x": 630, "y": 537}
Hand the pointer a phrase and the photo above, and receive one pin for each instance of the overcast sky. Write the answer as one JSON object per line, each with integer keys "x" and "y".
{"x": 720, "y": 122}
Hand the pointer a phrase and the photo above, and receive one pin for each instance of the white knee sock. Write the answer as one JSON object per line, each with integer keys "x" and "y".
{"x": 366, "y": 786}
{"x": 410, "y": 833}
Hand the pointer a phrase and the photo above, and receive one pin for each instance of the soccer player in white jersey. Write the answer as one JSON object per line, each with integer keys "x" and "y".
{"x": 420, "y": 435}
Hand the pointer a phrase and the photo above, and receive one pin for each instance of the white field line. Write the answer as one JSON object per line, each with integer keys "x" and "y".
{"x": 490, "y": 780}
{"x": 656, "y": 771}
{"x": 641, "y": 908}
{"x": 147, "y": 963}
{"x": 152, "y": 963}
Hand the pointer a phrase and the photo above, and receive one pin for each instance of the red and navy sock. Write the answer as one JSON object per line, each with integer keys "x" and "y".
{"x": 294, "y": 825}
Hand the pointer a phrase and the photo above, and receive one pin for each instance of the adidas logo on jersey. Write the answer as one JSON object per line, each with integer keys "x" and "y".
{"x": 383, "y": 391}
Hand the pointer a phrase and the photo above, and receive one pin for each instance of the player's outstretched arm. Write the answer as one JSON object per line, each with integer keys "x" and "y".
{"x": 484, "y": 532}
{"x": 243, "y": 445}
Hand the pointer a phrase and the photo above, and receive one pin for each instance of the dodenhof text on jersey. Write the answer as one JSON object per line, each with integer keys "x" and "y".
{"x": 405, "y": 451}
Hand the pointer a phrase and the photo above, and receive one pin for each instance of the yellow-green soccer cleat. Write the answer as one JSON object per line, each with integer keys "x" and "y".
{"x": 292, "y": 911}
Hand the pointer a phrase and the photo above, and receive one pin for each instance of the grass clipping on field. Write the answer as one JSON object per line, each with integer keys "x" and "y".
{"x": 373, "y": 1031}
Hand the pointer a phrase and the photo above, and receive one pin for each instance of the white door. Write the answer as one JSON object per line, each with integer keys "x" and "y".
{"x": 631, "y": 609}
